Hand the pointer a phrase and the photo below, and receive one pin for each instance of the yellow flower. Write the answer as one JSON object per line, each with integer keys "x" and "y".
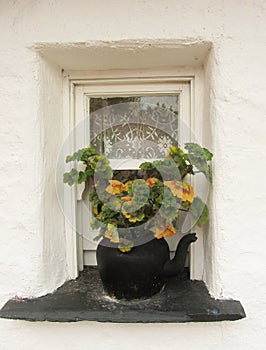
{"x": 124, "y": 249}
{"x": 115, "y": 187}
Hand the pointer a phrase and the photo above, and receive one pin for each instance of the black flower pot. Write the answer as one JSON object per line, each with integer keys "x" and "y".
{"x": 135, "y": 274}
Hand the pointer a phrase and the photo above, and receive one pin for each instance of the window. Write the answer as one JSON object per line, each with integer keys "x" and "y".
{"x": 128, "y": 141}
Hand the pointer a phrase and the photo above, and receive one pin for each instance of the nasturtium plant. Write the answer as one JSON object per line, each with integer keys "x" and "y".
{"x": 155, "y": 199}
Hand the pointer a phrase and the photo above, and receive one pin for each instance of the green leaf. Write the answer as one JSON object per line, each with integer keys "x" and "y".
{"x": 147, "y": 166}
{"x": 95, "y": 224}
{"x": 82, "y": 177}
{"x": 107, "y": 213}
{"x": 101, "y": 233}
{"x": 69, "y": 159}
{"x": 199, "y": 211}
{"x": 87, "y": 153}
{"x": 208, "y": 154}
{"x": 199, "y": 158}
{"x": 82, "y": 154}
{"x": 71, "y": 177}
{"x": 89, "y": 172}
{"x": 125, "y": 245}
{"x": 112, "y": 233}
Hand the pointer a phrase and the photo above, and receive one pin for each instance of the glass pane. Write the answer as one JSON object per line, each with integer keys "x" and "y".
{"x": 134, "y": 127}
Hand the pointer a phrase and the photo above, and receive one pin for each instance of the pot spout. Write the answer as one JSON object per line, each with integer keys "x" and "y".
{"x": 177, "y": 264}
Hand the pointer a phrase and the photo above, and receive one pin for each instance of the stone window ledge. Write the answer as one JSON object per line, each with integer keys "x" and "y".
{"x": 181, "y": 300}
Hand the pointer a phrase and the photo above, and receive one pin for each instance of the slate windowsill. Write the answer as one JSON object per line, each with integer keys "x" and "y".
{"x": 181, "y": 300}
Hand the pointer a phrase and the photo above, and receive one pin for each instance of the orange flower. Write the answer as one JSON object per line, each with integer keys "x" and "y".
{"x": 151, "y": 181}
{"x": 162, "y": 231}
{"x": 175, "y": 187}
{"x": 126, "y": 199}
{"x": 183, "y": 191}
{"x": 115, "y": 187}
{"x": 188, "y": 193}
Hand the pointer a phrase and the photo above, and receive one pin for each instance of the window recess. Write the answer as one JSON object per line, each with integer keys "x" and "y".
{"x": 130, "y": 135}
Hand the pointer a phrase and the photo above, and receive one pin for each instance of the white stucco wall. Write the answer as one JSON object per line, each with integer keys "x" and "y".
{"x": 31, "y": 109}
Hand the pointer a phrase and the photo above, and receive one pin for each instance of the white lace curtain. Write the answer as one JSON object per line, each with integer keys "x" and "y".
{"x": 134, "y": 127}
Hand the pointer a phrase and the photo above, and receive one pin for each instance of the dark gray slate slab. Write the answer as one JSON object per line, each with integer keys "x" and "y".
{"x": 181, "y": 300}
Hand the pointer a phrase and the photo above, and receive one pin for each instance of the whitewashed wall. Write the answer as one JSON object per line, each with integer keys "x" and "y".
{"x": 30, "y": 92}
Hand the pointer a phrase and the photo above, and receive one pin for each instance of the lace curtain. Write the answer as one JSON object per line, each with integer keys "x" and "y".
{"x": 134, "y": 127}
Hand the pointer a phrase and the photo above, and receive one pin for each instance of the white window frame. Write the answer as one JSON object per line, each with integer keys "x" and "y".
{"x": 129, "y": 88}
{"x": 118, "y": 83}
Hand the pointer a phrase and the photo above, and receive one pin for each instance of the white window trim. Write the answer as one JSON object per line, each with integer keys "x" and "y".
{"x": 100, "y": 81}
